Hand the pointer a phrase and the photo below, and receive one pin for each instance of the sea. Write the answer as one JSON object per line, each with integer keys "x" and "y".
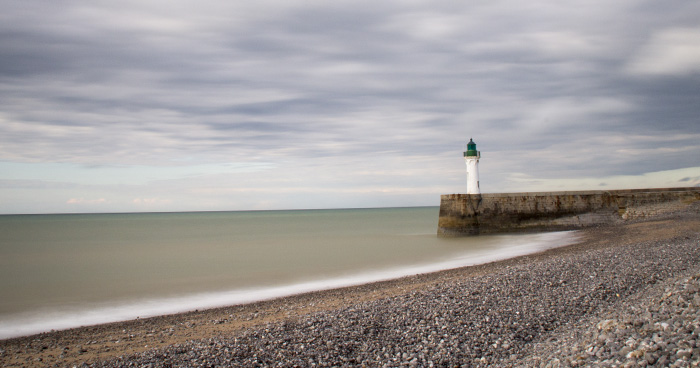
{"x": 60, "y": 271}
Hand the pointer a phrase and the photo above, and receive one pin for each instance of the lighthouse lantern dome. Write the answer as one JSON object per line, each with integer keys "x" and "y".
{"x": 471, "y": 149}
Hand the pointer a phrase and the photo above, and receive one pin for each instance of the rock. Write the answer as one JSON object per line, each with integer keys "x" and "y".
{"x": 624, "y": 351}
{"x": 684, "y": 353}
{"x": 650, "y": 358}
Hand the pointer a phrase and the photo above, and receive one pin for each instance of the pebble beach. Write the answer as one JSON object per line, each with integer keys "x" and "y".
{"x": 625, "y": 295}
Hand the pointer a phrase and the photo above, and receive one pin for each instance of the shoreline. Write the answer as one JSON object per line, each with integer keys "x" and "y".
{"x": 32, "y": 323}
{"x": 102, "y": 342}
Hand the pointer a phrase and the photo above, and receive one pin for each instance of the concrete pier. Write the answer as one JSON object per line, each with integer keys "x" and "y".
{"x": 473, "y": 214}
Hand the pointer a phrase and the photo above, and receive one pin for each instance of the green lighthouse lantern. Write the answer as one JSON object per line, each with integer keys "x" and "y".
{"x": 471, "y": 149}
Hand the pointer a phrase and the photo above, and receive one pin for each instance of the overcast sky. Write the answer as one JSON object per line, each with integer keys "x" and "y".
{"x": 113, "y": 106}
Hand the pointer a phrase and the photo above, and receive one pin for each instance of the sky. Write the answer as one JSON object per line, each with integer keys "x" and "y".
{"x": 149, "y": 106}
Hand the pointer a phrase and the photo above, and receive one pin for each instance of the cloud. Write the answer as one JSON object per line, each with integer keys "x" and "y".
{"x": 658, "y": 179}
{"x": 86, "y": 201}
{"x": 151, "y": 201}
{"x": 127, "y": 99}
{"x": 669, "y": 52}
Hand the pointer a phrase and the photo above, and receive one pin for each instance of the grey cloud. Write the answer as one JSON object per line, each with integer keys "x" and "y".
{"x": 342, "y": 79}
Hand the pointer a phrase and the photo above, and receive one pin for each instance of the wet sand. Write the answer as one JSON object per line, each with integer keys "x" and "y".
{"x": 95, "y": 344}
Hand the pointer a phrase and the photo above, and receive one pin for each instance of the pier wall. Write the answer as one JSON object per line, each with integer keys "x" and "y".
{"x": 473, "y": 214}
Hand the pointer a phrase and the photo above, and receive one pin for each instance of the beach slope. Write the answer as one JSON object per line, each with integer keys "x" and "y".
{"x": 625, "y": 293}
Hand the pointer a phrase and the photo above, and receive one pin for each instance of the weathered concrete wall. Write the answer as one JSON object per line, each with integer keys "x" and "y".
{"x": 472, "y": 214}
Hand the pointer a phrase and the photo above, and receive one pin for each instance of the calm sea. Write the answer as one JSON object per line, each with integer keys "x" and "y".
{"x": 62, "y": 271}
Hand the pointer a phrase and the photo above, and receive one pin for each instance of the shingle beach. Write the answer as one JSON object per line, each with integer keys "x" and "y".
{"x": 625, "y": 295}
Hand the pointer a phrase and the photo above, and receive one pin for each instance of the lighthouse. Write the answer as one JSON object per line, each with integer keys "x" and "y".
{"x": 471, "y": 157}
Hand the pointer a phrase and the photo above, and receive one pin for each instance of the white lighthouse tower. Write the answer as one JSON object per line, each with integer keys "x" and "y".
{"x": 471, "y": 157}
